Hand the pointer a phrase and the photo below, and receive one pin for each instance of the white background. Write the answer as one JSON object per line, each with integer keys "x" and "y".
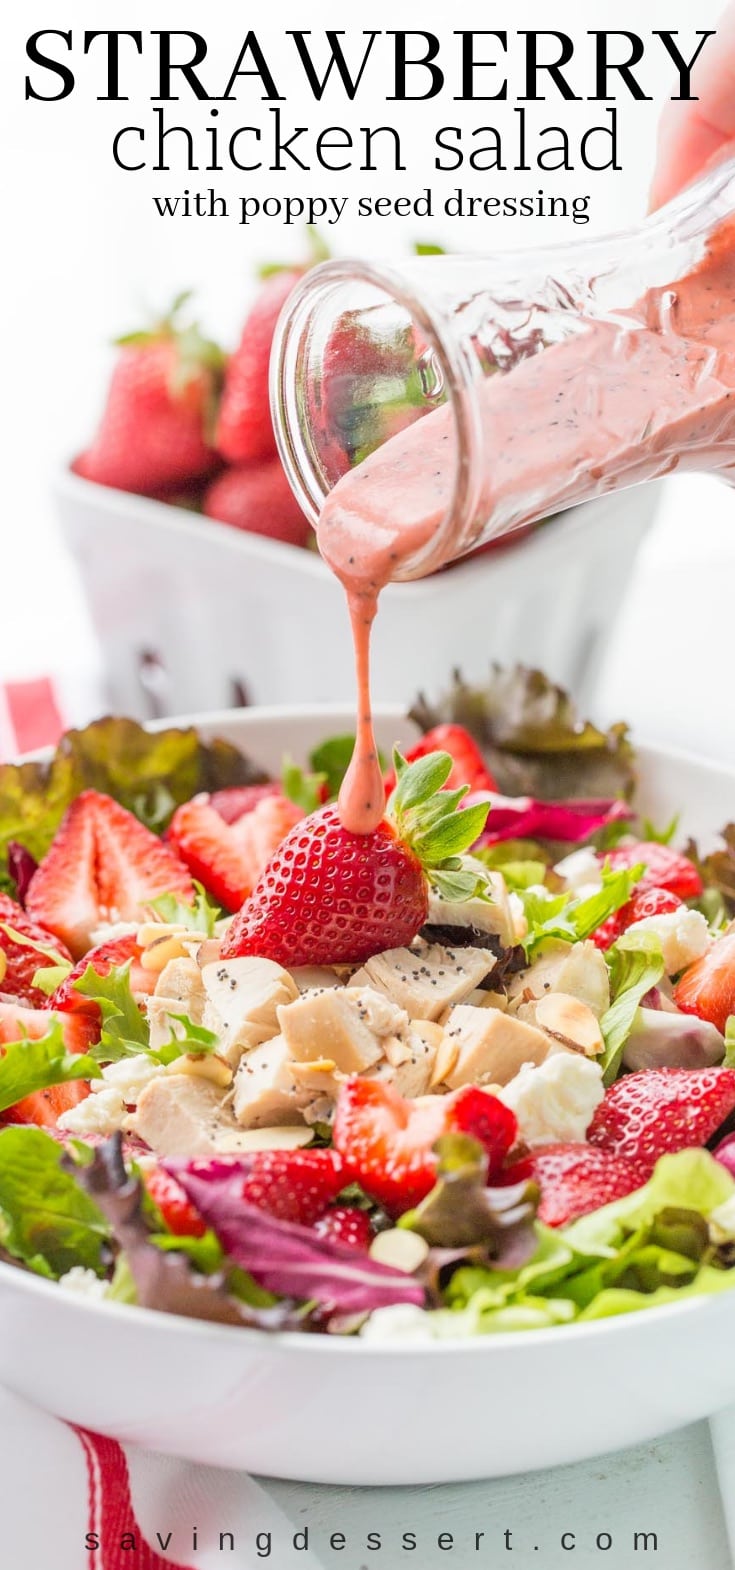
{"x": 85, "y": 256}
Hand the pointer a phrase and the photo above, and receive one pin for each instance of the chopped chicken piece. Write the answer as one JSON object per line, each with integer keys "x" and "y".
{"x": 178, "y": 1115}
{"x": 181, "y": 980}
{"x": 309, "y": 977}
{"x": 425, "y": 981}
{"x": 493, "y": 915}
{"x": 412, "y": 1075}
{"x": 266, "y": 1091}
{"x": 346, "y": 1024}
{"x": 242, "y": 1000}
{"x": 578, "y": 969}
{"x": 492, "y": 1046}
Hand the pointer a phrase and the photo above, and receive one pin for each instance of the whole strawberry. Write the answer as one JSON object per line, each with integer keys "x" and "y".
{"x": 244, "y": 432}
{"x": 153, "y": 434}
{"x": 258, "y": 499}
{"x": 348, "y": 1225}
{"x": 661, "y": 1110}
{"x": 329, "y": 896}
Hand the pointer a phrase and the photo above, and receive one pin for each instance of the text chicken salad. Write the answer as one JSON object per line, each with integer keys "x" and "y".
{"x": 471, "y": 1072}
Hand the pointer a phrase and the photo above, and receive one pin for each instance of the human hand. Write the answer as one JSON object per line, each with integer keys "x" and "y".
{"x": 693, "y": 133}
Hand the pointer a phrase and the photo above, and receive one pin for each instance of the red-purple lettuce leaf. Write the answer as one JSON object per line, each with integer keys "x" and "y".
{"x": 21, "y": 867}
{"x": 524, "y": 817}
{"x": 288, "y": 1259}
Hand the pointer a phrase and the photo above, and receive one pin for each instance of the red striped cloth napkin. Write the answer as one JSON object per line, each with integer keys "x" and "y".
{"x": 73, "y": 1500}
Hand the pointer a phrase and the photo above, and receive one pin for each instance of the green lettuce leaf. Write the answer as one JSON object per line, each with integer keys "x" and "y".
{"x": 148, "y": 772}
{"x": 200, "y": 917}
{"x": 652, "y": 1247}
{"x": 125, "y": 1030}
{"x": 29, "y": 1065}
{"x": 532, "y": 738}
{"x": 636, "y": 964}
{"x": 46, "y": 1220}
{"x": 575, "y": 917}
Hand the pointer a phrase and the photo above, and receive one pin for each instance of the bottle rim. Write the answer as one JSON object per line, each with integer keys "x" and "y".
{"x": 295, "y": 441}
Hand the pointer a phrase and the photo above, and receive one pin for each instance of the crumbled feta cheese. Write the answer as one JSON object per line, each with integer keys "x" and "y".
{"x": 555, "y": 1102}
{"x": 683, "y": 934}
{"x": 109, "y": 930}
{"x": 101, "y": 1113}
{"x": 580, "y": 872}
{"x": 129, "y": 1077}
{"x": 400, "y": 1322}
{"x": 83, "y": 1283}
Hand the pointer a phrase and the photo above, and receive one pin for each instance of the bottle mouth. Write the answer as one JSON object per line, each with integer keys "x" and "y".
{"x": 358, "y": 360}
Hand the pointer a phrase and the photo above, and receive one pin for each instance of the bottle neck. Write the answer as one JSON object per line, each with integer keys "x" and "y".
{"x": 362, "y": 353}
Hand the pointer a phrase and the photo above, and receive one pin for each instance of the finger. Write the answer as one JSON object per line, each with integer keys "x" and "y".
{"x": 693, "y": 133}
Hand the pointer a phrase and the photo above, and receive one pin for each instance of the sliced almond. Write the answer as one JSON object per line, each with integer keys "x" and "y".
{"x": 3, "y": 964}
{"x": 202, "y": 1066}
{"x": 445, "y": 1060}
{"x": 251, "y": 1139}
{"x": 152, "y": 931}
{"x": 401, "y": 1250}
{"x": 208, "y": 952}
{"x": 571, "y": 1022}
{"x": 312, "y": 1066}
{"x": 157, "y": 955}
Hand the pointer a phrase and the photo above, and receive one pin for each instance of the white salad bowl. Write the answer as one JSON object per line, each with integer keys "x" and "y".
{"x": 332, "y": 1410}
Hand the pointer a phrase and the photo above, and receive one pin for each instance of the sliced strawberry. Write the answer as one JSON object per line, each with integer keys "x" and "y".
{"x": 481, "y": 1115}
{"x": 652, "y": 902}
{"x": 103, "y": 865}
{"x": 661, "y": 1110}
{"x": 665, "y": 868}
{"x": 707, "y": 988}
{"x": 575, "y": 1179}
{"x": 16, "y": 1021}
{"x": 387, "y": 1142}
{"x": 119, "y": 951}
{"x": 45, "y": 1106}
{"x": 228, "y": 858}
{"x": 177, "y": 1211}
{"x": 348, "y": 1225}
{"x": 234, "y": 802}
{"x": 22, "y": 960}
{"x": 469, "y": 765}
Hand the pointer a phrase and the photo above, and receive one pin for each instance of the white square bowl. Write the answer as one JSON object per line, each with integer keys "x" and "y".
{"x": 193, "y": 614}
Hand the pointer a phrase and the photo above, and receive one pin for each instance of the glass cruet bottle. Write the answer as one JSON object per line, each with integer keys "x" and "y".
{"x": 467, "y": 396}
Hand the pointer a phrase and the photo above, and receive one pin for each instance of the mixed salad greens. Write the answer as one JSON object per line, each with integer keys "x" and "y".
{"x": 472, "y": 1073}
